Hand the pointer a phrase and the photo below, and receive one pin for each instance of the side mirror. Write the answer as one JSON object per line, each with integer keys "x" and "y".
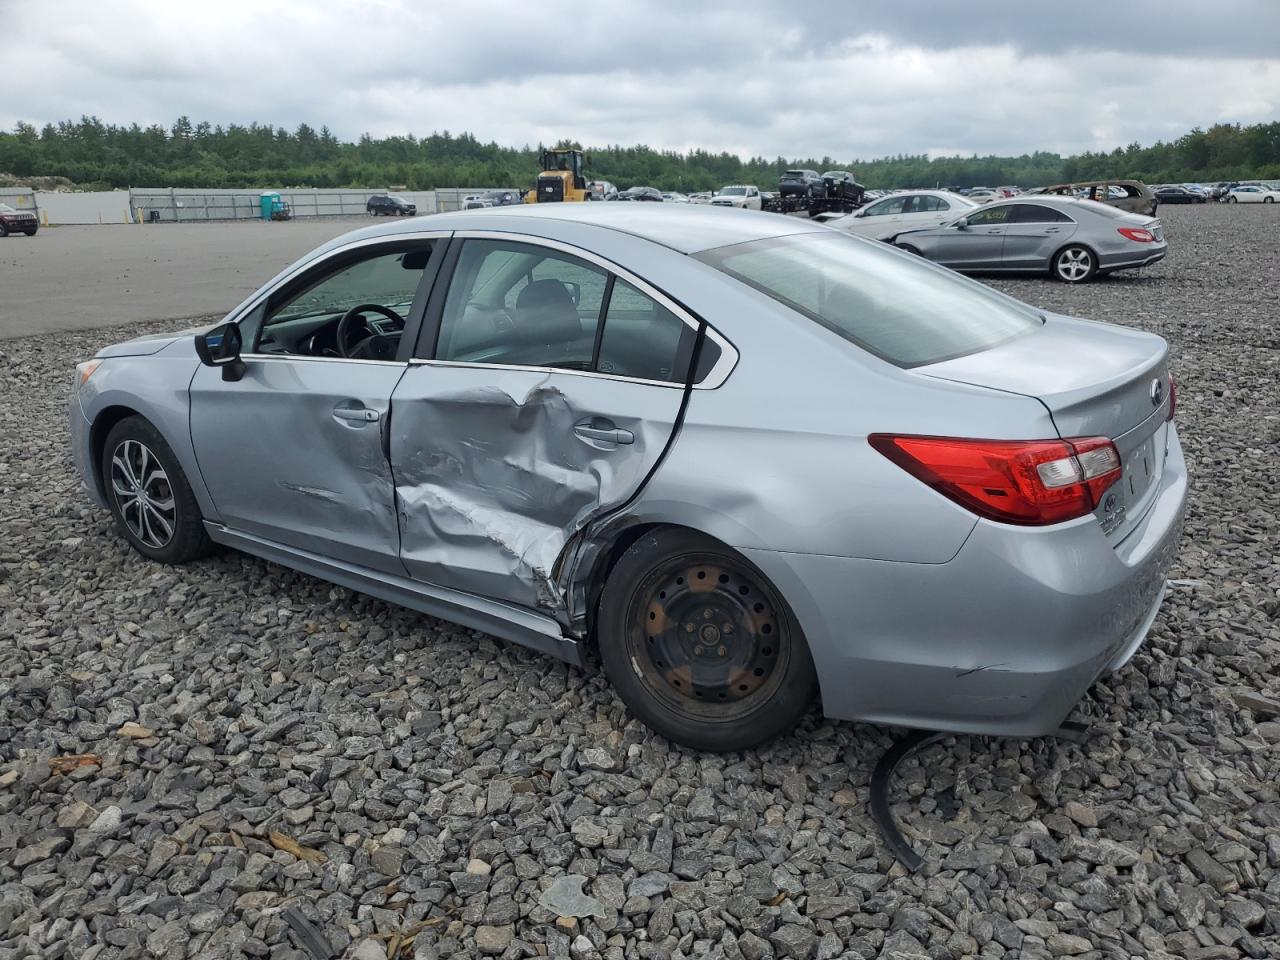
{"x": 962, "y": 223}
{"x": 220, "y": 347}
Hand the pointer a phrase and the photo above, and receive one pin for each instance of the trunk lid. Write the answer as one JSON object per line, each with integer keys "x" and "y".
{"x": 1096, "y": 380}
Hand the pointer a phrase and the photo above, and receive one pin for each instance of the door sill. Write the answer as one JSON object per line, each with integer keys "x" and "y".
{"x": 516, "y": 624}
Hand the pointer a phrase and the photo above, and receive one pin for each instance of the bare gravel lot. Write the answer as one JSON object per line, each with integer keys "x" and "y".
{"x": 78, "y": 278}
{"x": 451, "y": 793}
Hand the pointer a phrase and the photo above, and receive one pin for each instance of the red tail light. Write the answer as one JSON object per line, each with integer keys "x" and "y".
{"x": 1137, "y": 234}
{"x": 1026, "y": 482}
{"x": 1173, "y": 398}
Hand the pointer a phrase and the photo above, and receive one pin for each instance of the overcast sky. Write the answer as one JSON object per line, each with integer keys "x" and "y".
{"x": 846, "y": 80}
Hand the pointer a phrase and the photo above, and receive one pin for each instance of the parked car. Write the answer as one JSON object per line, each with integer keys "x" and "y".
{"x": 1133, "y": 196}
{"x": 602, "y": 190}
{"x": 391, "y": 205}
{"x": 17, "y": 221}
{"x": 802, "y": 183}
{"x": 641, "y": 193}
{"x": 503, "y": 461}
{"x": 503, "y": 198}
{"x": 1073, "y": 240}
{"x": 892, "y": 215}
{"x": 842, "y": 191}
{"x": 702, "y": 196}
{"x": 984, "y": 195}
{"x": 738, "y": 195}
{"x": 1176, "y": 194}
{"x": 1253, "y": 193}
{"x": 673, "y": 197}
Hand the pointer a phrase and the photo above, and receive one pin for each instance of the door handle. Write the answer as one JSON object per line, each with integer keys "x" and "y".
{"x": 358, "y": 414}
{"x": 603, "y": 430}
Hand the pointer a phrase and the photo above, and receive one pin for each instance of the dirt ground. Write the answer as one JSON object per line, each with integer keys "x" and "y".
{"x": 81, "y": 277}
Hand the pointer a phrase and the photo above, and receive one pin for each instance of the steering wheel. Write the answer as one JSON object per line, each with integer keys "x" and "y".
{"x": 367, "y": 344}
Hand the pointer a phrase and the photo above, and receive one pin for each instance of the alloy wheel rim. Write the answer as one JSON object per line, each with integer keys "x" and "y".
{"x": 709, "y": 638}
{"x": 1074, "y": 264}
{"x": 143, "y": 493}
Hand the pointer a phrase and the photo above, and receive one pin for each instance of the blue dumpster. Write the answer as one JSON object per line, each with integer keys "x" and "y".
{"x": 272, "y": 207}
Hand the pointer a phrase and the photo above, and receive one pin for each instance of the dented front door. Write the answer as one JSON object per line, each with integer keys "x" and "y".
{"x": 496, "y": 468}
{"x": 294, "y": 452}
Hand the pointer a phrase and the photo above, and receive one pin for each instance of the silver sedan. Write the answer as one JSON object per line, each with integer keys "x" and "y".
{"x": 741, "y": 458}
{"x": 1073, "y": 240}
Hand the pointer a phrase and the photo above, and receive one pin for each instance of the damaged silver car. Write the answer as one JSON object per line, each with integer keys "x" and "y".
{"x": 743, "y": 457}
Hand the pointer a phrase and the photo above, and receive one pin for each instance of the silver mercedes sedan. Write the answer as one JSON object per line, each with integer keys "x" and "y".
{"x": 742, "y": 459}
{"x": 1073, "y": 240}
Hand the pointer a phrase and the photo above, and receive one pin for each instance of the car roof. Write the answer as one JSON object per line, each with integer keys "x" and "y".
{"x": 682, "y": 227}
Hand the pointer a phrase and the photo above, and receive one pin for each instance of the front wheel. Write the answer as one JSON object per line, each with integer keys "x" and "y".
{"x": 700, "y": 646}
{"x": 1075, "y": 264}
{"x": 1233, "y": 199}
{"x": 149, "y": 495}
{"x": 4, "y": 231}
{"x": 1268, "y": 199}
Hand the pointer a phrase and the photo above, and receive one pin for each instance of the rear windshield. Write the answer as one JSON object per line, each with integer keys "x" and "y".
{"x": 794, "y": 174}
{"x": 898, "y": 307}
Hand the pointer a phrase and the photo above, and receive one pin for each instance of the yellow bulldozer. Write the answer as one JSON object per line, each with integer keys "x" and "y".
{"x": 561, "y": 178}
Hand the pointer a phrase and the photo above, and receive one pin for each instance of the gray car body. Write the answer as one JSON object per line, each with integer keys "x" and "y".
{"x": 1031, "y": 247}
{"x": 915, "y": 611}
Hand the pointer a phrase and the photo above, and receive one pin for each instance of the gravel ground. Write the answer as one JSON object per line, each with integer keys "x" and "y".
{"x": 266, "y": 747}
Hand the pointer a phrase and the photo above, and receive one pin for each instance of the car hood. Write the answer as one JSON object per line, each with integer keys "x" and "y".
{"x": 151, "y": 343}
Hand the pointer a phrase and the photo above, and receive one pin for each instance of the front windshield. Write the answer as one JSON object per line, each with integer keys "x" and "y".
{"x": 898, "y": 307}
{"x": 733, "y": 192}
{"x": 5, "y": 208}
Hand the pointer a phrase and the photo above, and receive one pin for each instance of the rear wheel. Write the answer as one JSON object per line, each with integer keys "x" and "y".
{"x": 1075, "y": 264}
{"x": 700, "y": 646}
{"x": 149, "y": 495}
{"x": 1268, "y": 199}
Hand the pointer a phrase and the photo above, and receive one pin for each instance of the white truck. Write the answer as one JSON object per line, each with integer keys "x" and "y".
{"x": 738, "y": 195}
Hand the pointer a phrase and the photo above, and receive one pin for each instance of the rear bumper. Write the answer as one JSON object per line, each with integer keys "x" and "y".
{"x": 1128, "y": 261}
{"x": 1003, "y": 639}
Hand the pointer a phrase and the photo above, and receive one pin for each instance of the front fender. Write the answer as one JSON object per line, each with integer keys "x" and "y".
{"x": 157, "y": 387}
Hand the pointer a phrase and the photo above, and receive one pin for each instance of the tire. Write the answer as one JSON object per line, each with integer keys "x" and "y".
{"x": 1074, "y": 264}
{"x": 1233, "y": 200}
{"x": 660, "y": 618}
{"x": 135, "y": 457}
{"x": 31, "y": 232}
{"x": 1268, "y": 199}
{"x": 4, "y": 231}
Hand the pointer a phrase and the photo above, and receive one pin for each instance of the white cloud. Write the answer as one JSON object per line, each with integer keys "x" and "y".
{"x": 677, "y": 76}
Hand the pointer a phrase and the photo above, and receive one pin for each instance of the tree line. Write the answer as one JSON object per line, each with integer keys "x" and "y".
{"x": 97, "y": 155}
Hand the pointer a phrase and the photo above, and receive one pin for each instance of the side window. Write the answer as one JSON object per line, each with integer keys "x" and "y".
{"x": 304, "y": 320}
{"x": 887, "y": 207}
{"x": 521, "y": 304}
{"x": 1034, "y": 213}
{"x": 990, "y": 216}
{"x": 643, "y": 339}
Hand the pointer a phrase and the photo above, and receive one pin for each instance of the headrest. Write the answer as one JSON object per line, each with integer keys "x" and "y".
{"x": 545, "y": 313}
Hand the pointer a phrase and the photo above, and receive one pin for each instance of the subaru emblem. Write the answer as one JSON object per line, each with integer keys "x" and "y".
{"x": 1157, "y": 392}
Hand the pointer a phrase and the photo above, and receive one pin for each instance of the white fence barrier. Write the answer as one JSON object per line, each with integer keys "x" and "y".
{"x": 165, "y": 205}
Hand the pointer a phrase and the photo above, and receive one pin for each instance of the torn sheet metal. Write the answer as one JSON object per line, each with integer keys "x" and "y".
{"x": 494, "y": 470}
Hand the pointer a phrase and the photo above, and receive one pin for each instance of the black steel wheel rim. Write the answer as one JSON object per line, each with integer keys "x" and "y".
{"x": 707, "y": 637}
